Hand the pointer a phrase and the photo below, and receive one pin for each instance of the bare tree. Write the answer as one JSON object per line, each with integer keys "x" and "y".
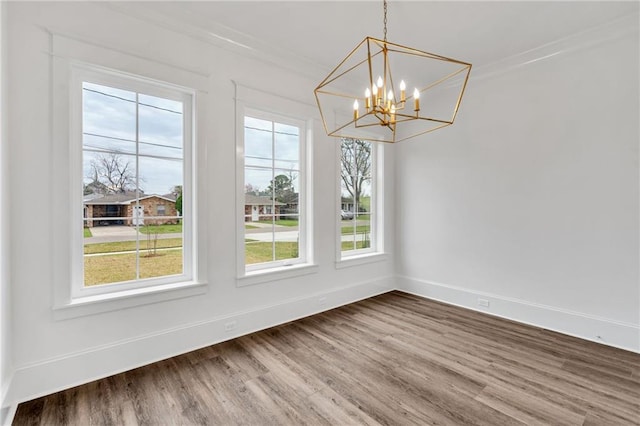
{"x": 112, "y": 174}
{"x": 251, "y": 189}
{"x": 355, "y": 162}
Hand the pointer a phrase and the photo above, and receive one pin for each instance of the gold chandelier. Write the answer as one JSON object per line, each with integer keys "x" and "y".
{"x": 361, "y": 98}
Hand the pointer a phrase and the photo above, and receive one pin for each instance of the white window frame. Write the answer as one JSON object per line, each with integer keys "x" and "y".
{"x": 252, "y": 102}
{"x": 110, "y": 78}
{"x": 375, "y": 251}
{"x": 67, "y": 55}
{"x": 302, "y": 234}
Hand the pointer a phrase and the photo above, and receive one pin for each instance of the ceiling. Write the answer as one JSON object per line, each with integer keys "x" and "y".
{"x": 320, "y": 33}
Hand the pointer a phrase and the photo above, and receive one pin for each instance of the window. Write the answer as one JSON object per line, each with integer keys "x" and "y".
{"x": 358, "y": 199}
{"x": 135, "y": 166}
{"x": 273, "y": 191}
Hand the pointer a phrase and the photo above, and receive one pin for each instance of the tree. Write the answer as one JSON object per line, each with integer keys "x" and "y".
{"x": 355, "y": 162}
{"x": 179, "y": 205}
{"x": 111, "y": 174}
{"x": 177, "y": 190}
{"x": 281, "y": 188}
{"x": 251, "y": 189}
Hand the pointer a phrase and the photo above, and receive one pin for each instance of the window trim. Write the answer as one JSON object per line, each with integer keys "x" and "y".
{"x": 375, "y": 252}
{"x": 302, "y": 196}
{"x": 67, "y": 54}
{"x": 286, "y": 111}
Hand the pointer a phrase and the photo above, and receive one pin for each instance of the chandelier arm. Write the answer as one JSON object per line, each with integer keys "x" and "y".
{"x": 343, "y": 61}
{"x": 464, "y": 86}
{"x": 453, "y": 74}
{"x": 327, "y": 80}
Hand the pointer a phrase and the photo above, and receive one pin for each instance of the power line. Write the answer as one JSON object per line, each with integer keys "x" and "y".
{"x": 129, "y": 100}
{"x": 131, "y": 140}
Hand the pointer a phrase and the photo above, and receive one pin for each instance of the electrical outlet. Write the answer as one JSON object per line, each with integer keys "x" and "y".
{"x": 230, "y": 326}
{"x": 322, "y": 301}
{"x": 483, "y": 302}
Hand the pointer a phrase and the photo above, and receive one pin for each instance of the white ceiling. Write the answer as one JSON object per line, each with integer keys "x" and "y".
{"x": 322, "y": 32}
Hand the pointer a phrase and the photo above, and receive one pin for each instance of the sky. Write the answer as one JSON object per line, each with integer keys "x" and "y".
{"x": 109, "y": 126}
{"x": 270, "y": 149}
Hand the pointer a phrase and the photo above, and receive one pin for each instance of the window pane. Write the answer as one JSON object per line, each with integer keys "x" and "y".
{"x": 159, "y": 176}
{"x": 160, "y": 131}
{"x": 287, "y": 151}
{"x": 104, "y": 268}
{"x": 132, "y": 216}
{"x": 272, "y": 191}
{"x": 356, "y": 201}
{"x": 259, "y": 243}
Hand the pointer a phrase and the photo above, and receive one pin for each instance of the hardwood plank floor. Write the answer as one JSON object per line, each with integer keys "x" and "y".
{"x": 393, "y": 359}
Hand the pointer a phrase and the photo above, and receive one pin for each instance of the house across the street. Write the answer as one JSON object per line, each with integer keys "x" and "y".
{"x": 260, "y": 207}
{"x": 122, "y": 209}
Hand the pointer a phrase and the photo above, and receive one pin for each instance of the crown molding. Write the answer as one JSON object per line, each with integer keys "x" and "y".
{"x": 223, "y": 37}
{"x": 610, "y": 31}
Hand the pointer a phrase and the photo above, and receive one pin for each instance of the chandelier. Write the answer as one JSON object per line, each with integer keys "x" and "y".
{"x": 362, "y": 99}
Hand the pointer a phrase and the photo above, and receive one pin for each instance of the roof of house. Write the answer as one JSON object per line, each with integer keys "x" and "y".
{"x": 122, "y": 198}
{"x": 129, "y": 197}
{"x": 259, "y": 200}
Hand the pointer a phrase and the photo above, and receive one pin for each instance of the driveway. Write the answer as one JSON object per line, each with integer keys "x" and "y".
{"x": 113, "y": 231}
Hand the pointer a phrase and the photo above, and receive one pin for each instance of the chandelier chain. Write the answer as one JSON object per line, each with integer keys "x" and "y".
{"x": 385, "y": 19}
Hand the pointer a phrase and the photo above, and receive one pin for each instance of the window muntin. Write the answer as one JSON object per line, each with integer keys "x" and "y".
{"x": 358, "y": 202}
{"x": 136, "y": 144}
{"x": 273, "y": 191}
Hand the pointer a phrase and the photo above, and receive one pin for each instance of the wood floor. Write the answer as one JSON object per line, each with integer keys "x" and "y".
{"x": 394, "y": 359}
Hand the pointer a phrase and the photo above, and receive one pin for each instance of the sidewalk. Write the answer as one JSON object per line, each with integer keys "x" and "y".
{"x": 114, "y": 233}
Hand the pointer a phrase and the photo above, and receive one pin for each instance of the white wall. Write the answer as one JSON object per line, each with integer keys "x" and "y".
{"x": 530, "y": 200}
{"x": 52, "y": 354}
{"x": 5, "y": 306}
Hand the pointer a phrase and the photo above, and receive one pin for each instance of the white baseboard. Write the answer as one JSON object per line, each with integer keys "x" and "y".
{"x": 43, "y": 378}
{"x": 46, "y": 377}
{"x": 596, "y": 329}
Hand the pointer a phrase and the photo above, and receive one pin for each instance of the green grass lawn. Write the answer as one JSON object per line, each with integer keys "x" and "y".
{"x": 360, "y": 229}
{"x": 87, "y": 233}
{"x": 259, "y": 252}
{"x": 348, "y": 245}
{"x": 112, "y": 268}
{"x": 282, "y": 222}
{"x": 161, "y": 229}
{"x": 250, "y": 227}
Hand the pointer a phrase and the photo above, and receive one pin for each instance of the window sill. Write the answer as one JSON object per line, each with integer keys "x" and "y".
{"x": 361, "y": 259}
{"x": 90, "y": 305}
{"x": 276, "y": 274}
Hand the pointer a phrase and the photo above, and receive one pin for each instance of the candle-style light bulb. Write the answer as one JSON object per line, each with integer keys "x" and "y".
{"x": 367, "y": 99}
{"x": 403, "y": 93}
{"x": 416, "y": 99}
{"x": 377, "y": 90}
{"x": 355, "y": 109}
{"x": 389, "y": 98}
{"x": 380, "y": 82}
{"x": 374, "y": 94}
